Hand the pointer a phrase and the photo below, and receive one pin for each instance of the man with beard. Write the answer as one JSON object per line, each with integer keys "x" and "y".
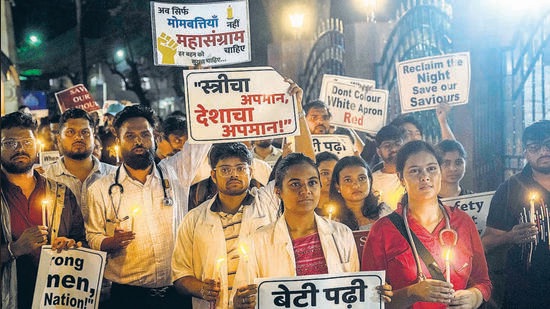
{"x": 23, "y": 231}
{"x": 527, "y": 268}
{"x": 77, "y": 168}
{"x": 173, "y": 136}
{"x": 208, "y": 244}
{"x": 135, "y": 211}
{"x": 264, "y": 150}
{"x": 317, "y": 117}
{"x": 385, "y": 181}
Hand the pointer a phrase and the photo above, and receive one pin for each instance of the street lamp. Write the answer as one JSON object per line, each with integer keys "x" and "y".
{"x": 296, "y": 22}
{"x": 370, "y": 6}
{"x": 34, "y": 39}
{"x": 120, "y": 54}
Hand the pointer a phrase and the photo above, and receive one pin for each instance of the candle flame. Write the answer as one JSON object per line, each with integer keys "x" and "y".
{"x": 136, "y": 211}
{"x": 533, "y": 197}
{"x": 219, "y": 263}
{"x": 244, "y": 250}
{"x": 330, "y": 209}
{"x": 45, "y": 202}
{"x": 447, "y": 253}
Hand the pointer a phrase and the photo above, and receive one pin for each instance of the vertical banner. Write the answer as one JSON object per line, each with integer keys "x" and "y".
{"x": 70, "y": 279}
{"x": 425, "y": 82}
{"x": 354, "y": 103}
{"x": 244, "y": 104}
{"x": 76, "y": 97}
{"x": 211, "y": 34}
{"x": 476, "y": 205}
{"x": 347, "y": 290}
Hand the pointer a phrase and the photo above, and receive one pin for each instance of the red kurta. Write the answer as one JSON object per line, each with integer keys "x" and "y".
{"x": 386, "y": 249}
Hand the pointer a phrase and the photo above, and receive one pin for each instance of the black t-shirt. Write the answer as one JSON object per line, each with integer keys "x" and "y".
{"x": 525, "y": 286}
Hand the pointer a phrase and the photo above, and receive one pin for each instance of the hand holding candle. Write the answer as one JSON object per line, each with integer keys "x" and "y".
{"x": 532, "y": 207}
{"x": 134, "y": 213}
{"x": 448, "y": 264}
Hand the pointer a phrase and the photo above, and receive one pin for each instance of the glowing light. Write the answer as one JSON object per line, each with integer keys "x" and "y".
{"x": 120, "y": 54}
{"x": 296, "y": 20}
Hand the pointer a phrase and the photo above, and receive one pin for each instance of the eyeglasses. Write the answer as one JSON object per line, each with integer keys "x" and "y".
{"x": 391, "y": 144}
{"x": 536, "y": 147}
{"x": 12, "y": 144}
{"x": 227, "y": 171}
{"x": 73, "y": 133}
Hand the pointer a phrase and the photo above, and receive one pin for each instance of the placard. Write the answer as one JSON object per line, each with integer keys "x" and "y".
{"x": 76, "y": 97}
{"x": 360, "y": 241}
{"x": 347, "y": 290}
{"x": 337, "y": 144}
{"x": 354, "y": 103}
{"x": 476, "y": 205}
{"x": 70, "y": 279}
{"x": 426, "y": 82}
{"x": 211, "y": 34}
{"x": 241, "y": 104}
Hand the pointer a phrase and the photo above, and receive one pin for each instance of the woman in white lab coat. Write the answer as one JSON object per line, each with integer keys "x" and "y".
{"x": 299, "y": 242}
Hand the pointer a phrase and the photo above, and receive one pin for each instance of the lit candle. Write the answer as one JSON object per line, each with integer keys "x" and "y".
{"x": 532, "y": 207}
{"x": 40, "y": 152}
{"x": 330, "y": 212}
{"x": 117, "y": 155}
{"x": 45, "y": 212}
{"x": 134, "y": 213}
{"x": 217, "y": 272}
{"x": 448, "y": 264}
{"x": 244, "y": 260}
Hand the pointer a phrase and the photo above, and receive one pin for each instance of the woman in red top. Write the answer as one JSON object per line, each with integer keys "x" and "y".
{"x": 388, "y": 249}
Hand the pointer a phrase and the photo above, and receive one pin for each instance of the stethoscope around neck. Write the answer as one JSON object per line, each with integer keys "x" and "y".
{"x": 419, "y": 273}
{"x": 166, "y": 201}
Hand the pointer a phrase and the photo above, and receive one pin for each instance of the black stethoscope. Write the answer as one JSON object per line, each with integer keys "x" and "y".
{"x": 442, "y": 237}
{"x": 166, "y": 201}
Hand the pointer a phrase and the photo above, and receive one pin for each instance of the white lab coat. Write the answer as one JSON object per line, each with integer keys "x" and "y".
{"x": 273, "y": 254}
{"x": 200, "y": 240}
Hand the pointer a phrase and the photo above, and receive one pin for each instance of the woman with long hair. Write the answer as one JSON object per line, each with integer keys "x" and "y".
{"x": 432, "y": 254}
{"x": 357, "y": 205}
{"x": 299, "y": 242}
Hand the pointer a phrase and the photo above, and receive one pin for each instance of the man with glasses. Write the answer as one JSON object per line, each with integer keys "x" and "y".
{"x": 210, "y": 240}
{"x": 527, "y": 268}
{"x": 173, "y": 136}
{"x": 23, "y": 230}
{"x": 77, "y": 168}
{"x": 388, "y": 142}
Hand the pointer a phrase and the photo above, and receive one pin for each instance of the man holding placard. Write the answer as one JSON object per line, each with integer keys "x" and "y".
{"x": 37, "y": 211}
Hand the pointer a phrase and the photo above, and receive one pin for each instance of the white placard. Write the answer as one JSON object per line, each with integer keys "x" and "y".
{"x": 347, "y": 290}
{"x": 70, "y": 279}
{"x": 476, "y": 205}
{"x": 337, "y": 144}
{"x": 354, "y": 103}
{"x": 210, "y": 34}
{"x": 425, "y": 82}
{"x": 49, "y": 157}
{"x": 230, "y": 105}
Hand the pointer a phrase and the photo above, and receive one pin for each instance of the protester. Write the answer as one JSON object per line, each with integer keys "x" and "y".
{"x": 24, "y": 193}
{"x": 406, "y": 241}
{"x": 317, "y": 117}
{"x": 357, "y": 206}
{"x": 45, "y": 137}
{"x": 212, "y": 231}
{"x": 522, "y": 275}
{"x": 300, "y": 242}
{"x": 171, "y": 138}
{"x": 77, "y": 168}
{"x": 134, "y": 213}
{"x": 453, "y": 167}
{"x": 412, "y": 129}
{"x": 107, "y": 134}
{"x": 325, "y": 162}
{"x": 385, "y": 181}
{"x": 98, "y": 148}
{"x": 264, "y": 150}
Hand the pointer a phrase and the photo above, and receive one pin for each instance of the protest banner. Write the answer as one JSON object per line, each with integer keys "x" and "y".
{"x": 70, "y": 279}
{"x": 476, "y": 205}
{"x": 49, "y": 157}
{"x": 337, "y": 144}
{"x": 230, "y": 105}
{"x": 425, "y": 82}
{"x": 360, "y": 240}
{"x": 347, "y": 290}
{"x": 210, "y": 34}
{"x": 76, "y": 97}
{"x": 354, "y": 103}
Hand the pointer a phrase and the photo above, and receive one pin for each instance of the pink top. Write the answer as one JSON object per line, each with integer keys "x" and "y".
{"x": 309, "y": 256}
